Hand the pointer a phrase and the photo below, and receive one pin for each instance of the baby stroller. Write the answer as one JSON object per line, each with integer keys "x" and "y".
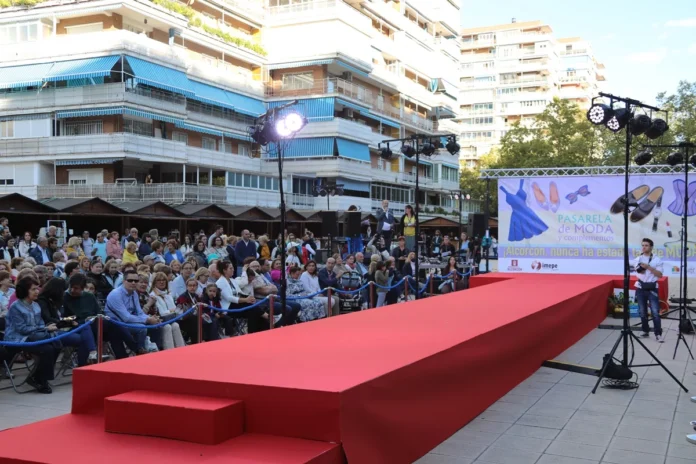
{"x": 350, "y": 302}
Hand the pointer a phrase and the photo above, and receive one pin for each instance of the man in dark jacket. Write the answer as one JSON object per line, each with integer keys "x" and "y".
{"x": 77, "y": 302}
{"x": 327, "y": 276}
{"x": 245, "y": 248}
{"x": 41, "y": 253}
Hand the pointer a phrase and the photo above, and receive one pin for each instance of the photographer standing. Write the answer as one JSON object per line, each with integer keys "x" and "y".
{"x": 648, "y": 269}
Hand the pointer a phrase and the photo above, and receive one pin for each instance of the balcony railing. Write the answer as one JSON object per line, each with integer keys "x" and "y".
{"x": 579, "y": 51}
{"x": 341, "y": 87}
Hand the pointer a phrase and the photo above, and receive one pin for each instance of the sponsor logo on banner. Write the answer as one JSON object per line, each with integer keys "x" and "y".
{"x": 514, "y": 265}
{"x": 538, "y": 266}
{"x": 675, "y": 269}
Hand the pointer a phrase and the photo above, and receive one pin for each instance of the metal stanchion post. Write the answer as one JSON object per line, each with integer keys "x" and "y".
{"x": 200, "y": 322}
{"x": 372, "y": 294}
{"x": 406, "y": 287}
{"x": 271, "y": 301}
{"x": 100, "y": 338}
{"x": 330, "y": 303}
{"x": 431, "y": 284}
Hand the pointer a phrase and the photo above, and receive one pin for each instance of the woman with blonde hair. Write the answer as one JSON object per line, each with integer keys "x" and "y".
{"x": 130, "y": 254}
{"x": 75, "y": 245}
{"x": 263, "y": 249}
{"x": 171, "y": 333}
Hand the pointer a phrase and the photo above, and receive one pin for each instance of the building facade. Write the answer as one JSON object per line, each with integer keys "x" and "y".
{"x": 99, "y": 96}
{"x": 510, "y": 72}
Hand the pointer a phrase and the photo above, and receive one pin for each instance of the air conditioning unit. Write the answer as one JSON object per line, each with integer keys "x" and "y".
{"x": 347, "y": 113}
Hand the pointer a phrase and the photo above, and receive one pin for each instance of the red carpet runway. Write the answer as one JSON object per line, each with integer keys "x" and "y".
{"x": 379, "y": 386}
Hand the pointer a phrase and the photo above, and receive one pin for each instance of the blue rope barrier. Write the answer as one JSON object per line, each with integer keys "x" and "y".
{"x": 302, "y": 297}
{"x": 351, "y": 292}
{"x": 392, "y": 286}
{"x": 240, "y": 310}
{"x": 48, "y": 340}
{"x": 154, "y": 326}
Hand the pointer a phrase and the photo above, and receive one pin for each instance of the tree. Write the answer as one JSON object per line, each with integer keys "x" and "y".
{"x": 682, "y": 111}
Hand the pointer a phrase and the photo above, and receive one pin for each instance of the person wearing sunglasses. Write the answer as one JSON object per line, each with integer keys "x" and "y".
{"x": 123, "y": 305}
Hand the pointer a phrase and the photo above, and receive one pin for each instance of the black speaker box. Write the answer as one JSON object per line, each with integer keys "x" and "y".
{"x": 476, "y": 226}
{"x": 329, "y": 223}
{"x": 353, "y": 224}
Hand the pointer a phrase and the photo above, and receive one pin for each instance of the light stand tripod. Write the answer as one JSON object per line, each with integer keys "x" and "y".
{"x": 683, "y": 300}
{"x": 626, "y": 332}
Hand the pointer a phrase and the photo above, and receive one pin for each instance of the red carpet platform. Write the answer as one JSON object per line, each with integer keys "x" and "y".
{"x": 379, "y": 386}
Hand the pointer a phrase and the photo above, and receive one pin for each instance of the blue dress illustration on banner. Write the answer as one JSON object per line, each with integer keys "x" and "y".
{"x": 524, "y": 223}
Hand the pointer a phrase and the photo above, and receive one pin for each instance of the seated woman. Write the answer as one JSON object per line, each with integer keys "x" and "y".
{"x": 312, "y": 308}
{"x": 190, "y": 323}
{"x": 232, "y": 297}
{"x": 453, "y": 282}
{"x": 171, "y": 333}
{"x": 211, "y": 298}
{"x": 51, "y": 303}
{"x": 310, "y": 280}
{"x": 24, "y": 324}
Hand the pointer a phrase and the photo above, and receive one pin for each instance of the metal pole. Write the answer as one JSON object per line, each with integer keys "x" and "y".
{"x": 283, "y": 279}
{"x": 461, "y": 198}
{"x": 486, "y": 218}
{"x": 100, "y": 338}
{"x": 329, "y": 305}
{"x": 372, "y": 294}
{"x": 626, "y": 283}
{"x": 200, "y": 322}
{"x": 415, "y": 142}
{"x": 271, "y": 302}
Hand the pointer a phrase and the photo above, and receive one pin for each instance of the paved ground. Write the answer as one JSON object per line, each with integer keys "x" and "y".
{"x": 550, "y": 418}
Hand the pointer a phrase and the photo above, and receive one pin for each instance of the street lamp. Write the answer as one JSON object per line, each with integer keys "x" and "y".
{"x": 328, "y": 191}
{"x": 460, "y": 196}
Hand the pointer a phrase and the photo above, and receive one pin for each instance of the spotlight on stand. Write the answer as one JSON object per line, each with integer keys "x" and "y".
{"x": 599, "y": 113}
{"x": 639, "y": 124}
{"x": 452, "y": 146}
{"x": 675, "y": 158}
{"x": 283, "y": 127}
{"x": 643, "y": 157}
{"x": 408, "y": 150}
{"x": 656, "y": 129}
{"x": 619, "y": 120}
{"x": 385, "y": 153}
{"x": 427, "y": 149}
{"x": 288, "y": 125}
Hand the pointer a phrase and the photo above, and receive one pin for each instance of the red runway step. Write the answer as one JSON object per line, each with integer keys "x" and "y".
{"x": 194, "y": 419}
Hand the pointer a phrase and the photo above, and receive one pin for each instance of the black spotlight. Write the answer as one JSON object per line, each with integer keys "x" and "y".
{"x": 408, "y": 150}
{"x": 452, "y": 146}
{"x": 692, "y": 160}
{"x": 643, "y": 157}
{"x": 385, "y": 153}
{"x": 428, "y": 149}
{"x": 600, "y": 114}
{"x": 639, "y": 124}
{"x": 675, "y": 158}
{"x": 656, "y": 129}
{"x": 619, "y": 120}
{"x": 340, "y": 191}
{"x": 315, "y": 192}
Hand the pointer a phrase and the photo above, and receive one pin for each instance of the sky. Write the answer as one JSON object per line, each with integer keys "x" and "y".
{"x": 647, "y": 46}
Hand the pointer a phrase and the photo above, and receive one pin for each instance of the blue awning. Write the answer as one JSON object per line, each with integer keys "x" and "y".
{"x": 201, "y": 129}
{"x": 155, "y": 116}
{"x": 160, "y": 77}
{"x": 385, "y": 121}
{"x": 81, "y": 69}
{"x": 352, "y": 69}
{"x": 348, "y": 104}
{"x": 453, "y": 166}
{"x": 424, "y": 162}
{"x": 350, "y": 184}
{"x": 211, "y": 95}
{"x": 89, "y": 113}
{"x": 232, "y": 135}
{"x": 246, "y": 105}
{"x": 297, "y": 64}
{"x": 353, "y": 150}
{"x": 314, "y": 109}
{"x": 306, "y": 148}
{"x": 23, "y": 76}
{"x": 83, "y": 162}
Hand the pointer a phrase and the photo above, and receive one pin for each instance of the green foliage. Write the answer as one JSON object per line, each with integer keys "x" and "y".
{"x": 11, "y": 3}
{"x": 682, "y": 111}
{"x": 195, "y": 21}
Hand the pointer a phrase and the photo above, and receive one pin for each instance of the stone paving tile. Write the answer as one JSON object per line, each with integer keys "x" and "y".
{"x": 576, "y": 450}
{"x": 635, "y": 444}
{"x": 618, "y": 456}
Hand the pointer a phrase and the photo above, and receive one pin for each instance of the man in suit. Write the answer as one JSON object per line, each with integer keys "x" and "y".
{"x": 245, "y": 248}
{"x": 41, "y": 252}
{"x": 385, "y": 223}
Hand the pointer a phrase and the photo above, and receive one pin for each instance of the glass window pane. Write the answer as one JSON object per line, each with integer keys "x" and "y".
{"x": 247, "y": 180}
{"x": 275, "y": 183}
{"x": 254, "y": 181}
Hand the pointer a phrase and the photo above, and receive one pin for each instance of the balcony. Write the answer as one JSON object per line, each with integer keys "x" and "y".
{"x": 477, "y": 43}
{"x": 122, "y": 41}
{"x": 123, "y": 145}
{"x": 534, "y": 81}
{"x": 346, "y": 89}
{"x": 578, "y": 51}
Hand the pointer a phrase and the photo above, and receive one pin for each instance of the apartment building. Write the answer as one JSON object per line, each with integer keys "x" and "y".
{"x": 510, "y": 72}
{"x": 97, "y": 96}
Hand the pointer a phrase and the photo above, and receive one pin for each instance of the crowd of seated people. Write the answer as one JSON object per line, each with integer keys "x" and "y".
{"x": 48, "y": 288}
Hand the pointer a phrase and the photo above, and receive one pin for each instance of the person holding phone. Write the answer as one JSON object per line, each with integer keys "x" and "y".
{"x": 648, "y": 268}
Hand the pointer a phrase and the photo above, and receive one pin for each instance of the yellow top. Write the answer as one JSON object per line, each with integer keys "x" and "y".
{"x": 129, "y": 257}
{"x": 410, "y": 226}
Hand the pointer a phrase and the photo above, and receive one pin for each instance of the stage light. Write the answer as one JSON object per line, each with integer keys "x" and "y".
{"x": 599, "y": 114}
{"x": 643, "y": 157}
{"x": 385, "y": 153}
{"x": 323, "y": 192}
{"x": 282, "y": 129}
{"x": 692, "y": 160}
{"x": 675, "y": 158}
{"x": 619, "y": 120}
{"x": 639, "y": 124}
{"x": 656, "y": 129}
{"x": 408, "y": 150}
{"x": 468, "y": 197}
{"x": 452, "y": 146}
{"x": 427, "y": 149}
{"x": 315, "y": 192}
{"x": 340, "y": 191}
{"x": 294, "y": 121}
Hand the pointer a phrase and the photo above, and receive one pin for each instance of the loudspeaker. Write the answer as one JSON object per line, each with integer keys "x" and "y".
{"x": 476, "y": 226}
{"x": 353, "y": 224}
{"x": 329, "y": 223}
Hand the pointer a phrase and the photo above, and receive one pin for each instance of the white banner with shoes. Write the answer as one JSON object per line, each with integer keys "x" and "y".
{"x": 574, "y": 225}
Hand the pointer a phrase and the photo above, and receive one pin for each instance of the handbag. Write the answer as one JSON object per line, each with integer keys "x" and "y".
{"x": 648, "y": 286}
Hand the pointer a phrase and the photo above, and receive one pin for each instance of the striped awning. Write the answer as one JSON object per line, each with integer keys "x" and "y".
{"x": 232, "y": 135}
{"x": 307, "y": 148}
{"x": 352, "y": 69}
{"x": 353, "y": 150}
{"x": 89, "y": 112}
{"x": 314, "y": 109}
{"x": 161, "y": 77}
{"x": 211, "y": 95}
{"x": 385, "y": 121}
{"x": 246, "y": 105}
{"x": 155, "y": 116}
{"x": 83, "y": 162}
{"x": 81, "y": 69}
{"x": 453, "y": 166}
{"x": 348, "y": 104}
{"x": 298, "y": 64}
{"x": 201, "y": 129}
{"x": 350, "y": 184}
{"x": 25, "y": 117}
{"x": 14, "y": 77}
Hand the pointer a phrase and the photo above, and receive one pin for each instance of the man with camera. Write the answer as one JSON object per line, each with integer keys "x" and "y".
{"x": 648, "y": 269}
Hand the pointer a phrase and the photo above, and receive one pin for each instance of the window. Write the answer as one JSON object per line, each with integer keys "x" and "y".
{"x": 180, "y": 137}
{"x": 85, "y": 176}
{"x": 84, "y": 128}
{"x": 298, "y": 81}
{"x": 137, "y": 127}
{"x": 244, "y": 150}
{"x": 450, "y": 174}
{"x": 488, "y": 120}
{"x": 6, "y": 128}
{"x": 6, "y": 181}
{"x": 508, "y": 91}
{"x": 239, "y": 179}
{"x": 84, "y": 28}
{"x": 303, "y": 186}
{"x": 208, "y": 143}
{"x": 532, "y": 103}
{"x": 15, "y": 33}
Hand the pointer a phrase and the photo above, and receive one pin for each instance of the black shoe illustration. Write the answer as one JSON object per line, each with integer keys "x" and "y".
{"x": 634, "y": 196}
{"x": 646, "y": 206}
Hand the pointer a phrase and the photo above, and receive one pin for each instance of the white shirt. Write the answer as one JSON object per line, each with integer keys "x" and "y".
{"x": 648, "y": 276}
{"x": 311, "y": 282}
{"x": 164, "y": 303}
{"x": 229, "y": 291}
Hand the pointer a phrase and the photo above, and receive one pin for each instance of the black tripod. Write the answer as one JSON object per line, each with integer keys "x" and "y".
{"x": 683, "y": 300}
{"x": 626, "y": 332}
